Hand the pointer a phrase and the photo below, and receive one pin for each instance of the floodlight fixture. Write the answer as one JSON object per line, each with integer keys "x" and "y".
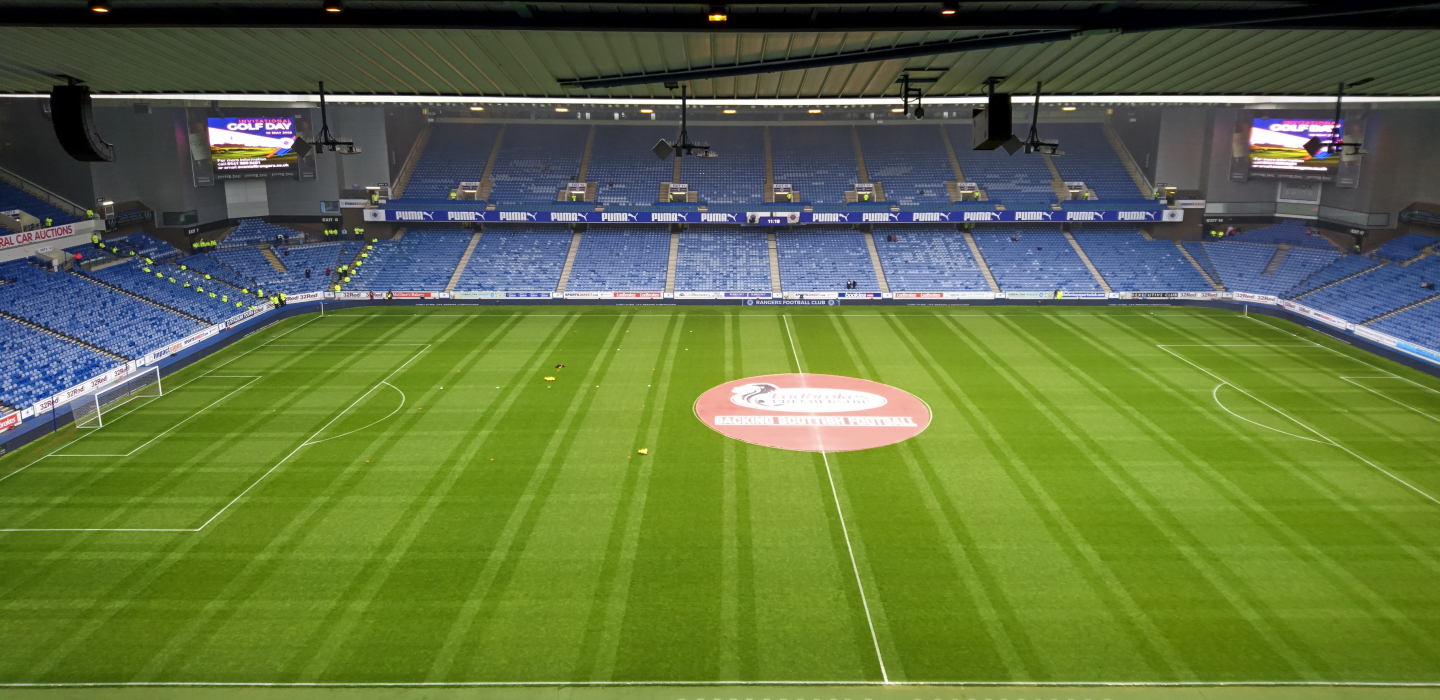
{"x": 1337, "y": 145}
{"x": 682, "y": 146}
{"x": 324, "y": 139}
{"x": 100, "y": 6}
{"x": 908, "y": 93}
{"x": 718, "y": 13}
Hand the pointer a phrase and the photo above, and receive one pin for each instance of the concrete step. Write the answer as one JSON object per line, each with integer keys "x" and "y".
{"x": 774, "y": 262}
{"x": 1086, "y": 259}
{"x": 464, "y": 260}
{"x": 670, "y": 266}
{"x": 273, "y": 260}
{"x": 1279, "y": 257}
{"x": 1199, "y": 268}
{"x": 569, "y": 262}
{"x": 980, "y": 260}
{"x": 875, "y": 260}
{"x": 1404, "y": 308}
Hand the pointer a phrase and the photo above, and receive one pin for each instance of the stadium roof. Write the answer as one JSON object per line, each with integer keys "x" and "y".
{"x": 836, "y": 49}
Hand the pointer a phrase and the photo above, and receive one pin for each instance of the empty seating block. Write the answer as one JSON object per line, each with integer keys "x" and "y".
{"x": 1020, "y": 182}
{"x": 722, "y": 259}
{"x": 622, "y": 166}
{"x": 1345, "y": 266}
{"x": 1242, "y": 265}
{"x": 1375, "y": 293}
{"x": 100, "y": 315}
{"x": 738, "y": 175}
{"x": 1295, "y": 233}
{"x": 131, "y": 277}
{"x": 621, "y": 259}
{"x": 206, "y": 263}
{"x": 252, "y": 231}
{"x": 422, "y": 261}
{"x": 1196, "y": 249}
{"x": 510, "y": 258}
{"x": 454, "y": 154}
{"x": 536, "y": 162}
{"x": 1420, "y": 325}
{"x": 250, "y": 264}
{"x": 823, "y": 259}
{"x": 36, "y": 365}
{"x": 1041, "y": 260}
{"x": 928, "y": 259}
{"x": 1090, "y": 158}
{"x": 910, "y": 160}
{"x": 1129, "y": 263}
{"x": 1405, "y": 247}
{"x": 818, "y": 161}
{"x": 12, "y": 197}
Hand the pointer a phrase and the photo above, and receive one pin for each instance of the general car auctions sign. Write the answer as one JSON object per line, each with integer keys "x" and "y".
{"x": 11, "y": 240}
{"x": 812, "y": 412}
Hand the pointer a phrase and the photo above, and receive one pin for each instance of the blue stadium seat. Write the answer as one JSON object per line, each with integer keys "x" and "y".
{"x": 823, "y": 259}
{"x": 1041, "y": 260}
{"x": 928, "y": 259}
{"x": 722, "y": 259}
{"x": 517, "y": 258}
{"x": 615, "y": 258}
{"x": 1129, "y": 263}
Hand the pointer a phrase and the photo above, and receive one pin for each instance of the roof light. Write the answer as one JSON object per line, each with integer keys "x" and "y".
{"x": 1068, "y": 108}
{"x": 898, "y": 110}
{"x": 729, "y": 111}
{"x": 477, "y": 109}
{"x": 718, "y": 13}
{"x": 100, "y": 6}
{"x": 333, "y": 6}
{"x": 949, "y": 7}
{"x": 814, "y": 111}
{"x": 562, "y": 109}
{"x": 647, "y": 111}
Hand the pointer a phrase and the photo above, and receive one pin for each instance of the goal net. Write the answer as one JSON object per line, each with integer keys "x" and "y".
{"x": 91, "y": 409}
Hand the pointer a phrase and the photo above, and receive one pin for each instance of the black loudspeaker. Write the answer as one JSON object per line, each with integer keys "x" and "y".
{"x": 74, "y": 125}
{"x": 991, "y": 126}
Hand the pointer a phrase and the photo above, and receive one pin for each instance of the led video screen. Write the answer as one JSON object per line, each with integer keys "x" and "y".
{"x": 252, "y": 146}
{"x": 1277, "y": 149}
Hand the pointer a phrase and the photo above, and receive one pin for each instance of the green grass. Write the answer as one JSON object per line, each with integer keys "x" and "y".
{"x": 1081, "y": 509}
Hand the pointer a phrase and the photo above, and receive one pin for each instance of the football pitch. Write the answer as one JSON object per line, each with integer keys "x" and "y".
{"x": 396, "y": 495}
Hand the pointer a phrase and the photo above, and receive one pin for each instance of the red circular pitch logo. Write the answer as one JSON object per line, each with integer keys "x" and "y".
{"x": 812, "y": 412}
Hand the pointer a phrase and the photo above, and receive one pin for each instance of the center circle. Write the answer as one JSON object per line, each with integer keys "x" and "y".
{"x": 812, "y": 412}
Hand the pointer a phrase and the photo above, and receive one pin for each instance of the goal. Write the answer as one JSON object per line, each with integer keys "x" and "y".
{"x": 90, "y": 410}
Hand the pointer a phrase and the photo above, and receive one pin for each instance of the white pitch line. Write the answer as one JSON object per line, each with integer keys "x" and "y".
{"x": 1388, "y": 398}
{"x": 1215, "y": 394}
{"x": 844, "y": 529}
{"x": 178, "y": 424}
{"x": 1317, "y": 433}
{"x": 307, "y": 441}
{"x": 678, "y": 684}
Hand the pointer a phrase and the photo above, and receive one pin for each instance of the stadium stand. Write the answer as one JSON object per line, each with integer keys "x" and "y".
{"x": 1292, "y": 232}
{"x": 206, "y": 263}
{"x": 1242, "y": 266}
{"x": 1377, "y": 293}
{"x": 12, "y": 197}
{"x": 909, "y": 160}
{"x": 536, "y": 161}
{"x": 252, "y": 231}
{"x": 454, "y": 154}
{"x": 928, "y": 259}
{"x": 622, "y": 166}
{"x": 315, "y": 258}
{"x": 722, "y": 259}
{"x": 1089, "y": 158}
{"x": 131, "y": 277}
{"x": 1345, "y": 266}
{"x": 102, "y": 316}
{"x": 36, "y": 365}
{"x": 249, "y": 264}
{"x": 823, "y": 259}
{"x": 1419, "y": 325}
{"x": 1406, "y": 247}
{"x": 511, "y": 258}
{"x": 1129, "y": 263}
{"x": 422, "y": 261}
{"x": 621, "y": 259}
{"x": 818, "y": 161}
{"x": 738, "y": 175}
{"x": 1196, "y": 249}
{"x": 1020, "y": 182}
{"x": 1041, "y": 260}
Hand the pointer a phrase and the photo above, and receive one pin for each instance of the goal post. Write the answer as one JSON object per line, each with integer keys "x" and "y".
{"x": 91, "y": 409}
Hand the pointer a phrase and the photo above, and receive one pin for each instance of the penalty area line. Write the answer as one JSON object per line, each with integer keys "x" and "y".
{"x": 678, "y": 684}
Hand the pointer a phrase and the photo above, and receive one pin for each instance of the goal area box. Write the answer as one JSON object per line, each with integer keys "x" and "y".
{"x": 91, "y": 409}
